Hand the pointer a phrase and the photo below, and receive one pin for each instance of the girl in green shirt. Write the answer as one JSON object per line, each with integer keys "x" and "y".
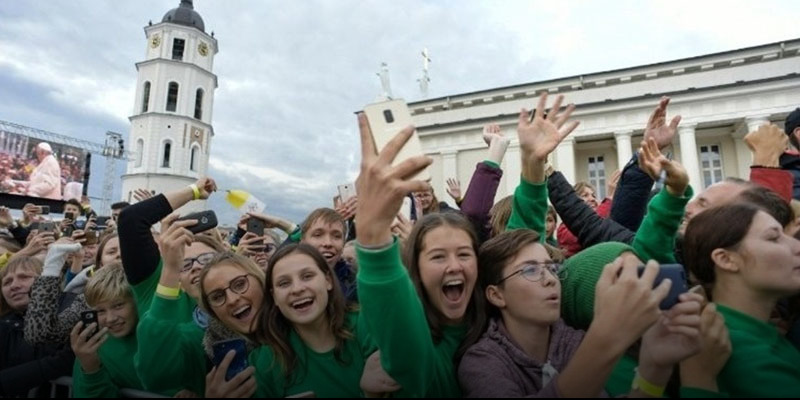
{"x": 311, "y": 341}
{"x": 743, "y": 256}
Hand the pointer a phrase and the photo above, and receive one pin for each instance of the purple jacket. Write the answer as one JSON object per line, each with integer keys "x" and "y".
{"x": 496, "y": 366}
{"x": 479, "y": 198}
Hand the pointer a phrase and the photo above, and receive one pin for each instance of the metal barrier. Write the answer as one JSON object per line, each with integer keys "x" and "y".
{"x": 66, "y": 382}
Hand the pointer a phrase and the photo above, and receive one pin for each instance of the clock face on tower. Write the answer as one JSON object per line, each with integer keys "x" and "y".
{"x": 155, "y": 41}
{"x": 202, "y": 48}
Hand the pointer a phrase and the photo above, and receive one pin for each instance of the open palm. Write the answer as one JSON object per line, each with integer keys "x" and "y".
{"x": 540, "y": 136}
{"x": 657, "y": 127}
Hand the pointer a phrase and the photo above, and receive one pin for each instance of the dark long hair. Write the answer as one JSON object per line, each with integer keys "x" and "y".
{"x": 273, "y": 328}
{"x": 475, "y": 317}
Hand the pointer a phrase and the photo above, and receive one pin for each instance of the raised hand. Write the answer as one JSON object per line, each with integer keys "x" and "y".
{"x": 173, "y": 241}
{"x": 250, "y": 244}
{"x": 382, "y": 187}
{"x": 767, "y": 143}
{"x": 454, "y": 189}
{"x": 402, "y": 227}
{"x": 142, "y": 194}
{"x": 243, "y": 385}
{"x": 348, "y": 208}
{"x": 271, "y": 222}
{"x": 657, "y": 127}
{"x": 611, "y": 186}
{"x": 701, "y": 370}
{"x": 206, "y": 186}
{"x": 491, "y": 132}
{"x": 540, "y": 136}
{"x": 653, "y": 162}
{"x": 676, "y": 336}
{"x": 29, "y": 213}
{"x": 5, "y": 217}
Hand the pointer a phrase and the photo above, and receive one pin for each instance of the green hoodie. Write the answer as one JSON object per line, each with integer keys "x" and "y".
{"x": 117, "y": 370}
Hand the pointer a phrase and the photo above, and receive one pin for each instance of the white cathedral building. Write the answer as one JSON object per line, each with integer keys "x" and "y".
{"x": 171, "y": 127}
{"x": 721, "y": 98}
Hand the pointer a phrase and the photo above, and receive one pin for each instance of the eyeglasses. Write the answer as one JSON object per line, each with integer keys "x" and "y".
{"x": 237, "y": 285}
{"x": 202, "y": 259}
{"x": 535, "y": 272}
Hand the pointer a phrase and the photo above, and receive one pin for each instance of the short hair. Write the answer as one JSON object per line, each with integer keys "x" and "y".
{"x": 19, "y": 262}
{"x": 551, "y": 212}
{"x": 769, "y": 201}
{"x": 496, "y": 252}
{"x": 120, "y": 205}
{"x": 499, "y": 215}
{"x": 582, "y": 185}
{"x": 328, "y": 216}
{"x": 108, "y": 284}
{"x": 76, "y": 203}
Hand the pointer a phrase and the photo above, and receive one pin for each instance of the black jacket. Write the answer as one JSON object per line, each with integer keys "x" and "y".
{"x": 582, "y": 220}
{"x": 24, "y": 367}
{"x": 632, "y": 196}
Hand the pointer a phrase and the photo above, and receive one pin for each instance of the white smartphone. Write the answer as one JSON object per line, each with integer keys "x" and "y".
{"x": 388, "y": 118}
{"x": 347, "y": 191}
{"x": 405, "y": 209}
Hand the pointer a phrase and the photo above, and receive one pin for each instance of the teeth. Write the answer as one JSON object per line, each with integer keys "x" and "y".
{"x": 241, "y": 311}
{"x": 454, "y": 283}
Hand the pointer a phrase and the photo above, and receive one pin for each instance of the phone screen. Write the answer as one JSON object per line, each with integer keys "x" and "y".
{"x": 239, "y": 362}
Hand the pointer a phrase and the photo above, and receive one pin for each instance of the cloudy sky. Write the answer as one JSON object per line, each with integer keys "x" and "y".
{"x": 292, "y": 73}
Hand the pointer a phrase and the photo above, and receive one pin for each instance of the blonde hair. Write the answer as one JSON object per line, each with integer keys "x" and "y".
{"x": 19, "y": 262}
{"x": 108, "y": 284}
{"x": 500, "y": 213}
{"x": 243, "y": 263}
{"x": 582, "y": 185}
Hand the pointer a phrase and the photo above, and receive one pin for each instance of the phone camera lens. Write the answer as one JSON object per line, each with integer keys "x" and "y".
{"x": 388, "y": 116}
{"x": 204, "y": 220}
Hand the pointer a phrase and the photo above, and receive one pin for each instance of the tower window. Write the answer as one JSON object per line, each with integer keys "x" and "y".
{"x": 597, "y": 175}
{"x": 146, "y": 97}
{"x": 165, "y": 160}
{"x": 193, "y": 159}
{"x": 172, "y": 97}
{"x": 198, "y": 104}
{"x": 139, "y": 152}
{"x": 177, "y": 49}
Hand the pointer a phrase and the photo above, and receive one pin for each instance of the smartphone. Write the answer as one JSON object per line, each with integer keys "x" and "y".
{"x": 79, "y": 224}
{"x": 256, "y": 226}
{"x": 388, "y": 118}
{"x": 91, "y": 238}
{"x": 68, "y": 230}
{"x": 69, "y": 215}
{"x": 239, "y": 362}
{"x": 101, "y": 223}
{"x": 405, "y": 209}
{"x": 205, "y": 220}
{"x": 89, "y": 317}
{"x": 677, "y": 274}
{"x": 44, "y": 210}
{"x": 47, "y": 226}
{"x": 347, "y": 191}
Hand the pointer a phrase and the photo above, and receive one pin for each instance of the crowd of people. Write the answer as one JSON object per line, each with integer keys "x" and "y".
{"x": 42, "y": 172}
{"x": 659, "y": 289}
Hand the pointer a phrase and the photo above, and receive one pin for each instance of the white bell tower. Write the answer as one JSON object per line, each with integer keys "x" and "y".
{"x": 171, "y": 127}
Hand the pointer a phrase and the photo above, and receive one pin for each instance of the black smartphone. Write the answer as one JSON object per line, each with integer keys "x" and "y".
{"x": 69, "y": 215}
{"x": 44, "y": 210}
{"x": 239, "y": 362}
{"x": 205, "y": 220}
{"x": 79, "y": 224}
{"x": 89, "y": 317}
{"x": 677, "y": 274}
{"x": 101, "y": 223}
{"x": 256, "y": 226}
{"x": 68, "y": 230}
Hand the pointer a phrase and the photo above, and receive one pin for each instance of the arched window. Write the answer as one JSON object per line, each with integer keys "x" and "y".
{"x": 194, "y": 158}
{"x": 172, "y": 97}
{"x": 165, "y": 155}
{"x": 139, "y": 152}
{"x": 198, "y": 104}
{"x": 146, "y": 97}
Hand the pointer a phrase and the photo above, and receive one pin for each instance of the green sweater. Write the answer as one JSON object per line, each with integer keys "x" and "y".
{"x": 116, "y": 372}
{"x": 170, "y": 356}
{"x": 655, "y": 239}
{"x": 145, "y": 291}
{"x": 529, "y": 208}
{"x": 762, "y": 364}
{"x": 321, "y": 373}
{"x": 396, "y": 320}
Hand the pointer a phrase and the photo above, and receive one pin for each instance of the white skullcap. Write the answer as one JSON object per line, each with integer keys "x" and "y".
{"x": 44, "y": 146}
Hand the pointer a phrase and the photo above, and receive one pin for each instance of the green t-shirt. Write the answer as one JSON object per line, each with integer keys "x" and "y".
{"x": 321, "y": 373}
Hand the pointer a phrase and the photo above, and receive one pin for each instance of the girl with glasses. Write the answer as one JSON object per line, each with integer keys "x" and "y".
{"x": 311, "y": 341}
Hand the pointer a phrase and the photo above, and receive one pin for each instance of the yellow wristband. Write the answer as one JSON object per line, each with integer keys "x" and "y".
{"x": 168, "y": 292}
{"x": 646, "y": 387}
{"x": 196, "y": 191}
